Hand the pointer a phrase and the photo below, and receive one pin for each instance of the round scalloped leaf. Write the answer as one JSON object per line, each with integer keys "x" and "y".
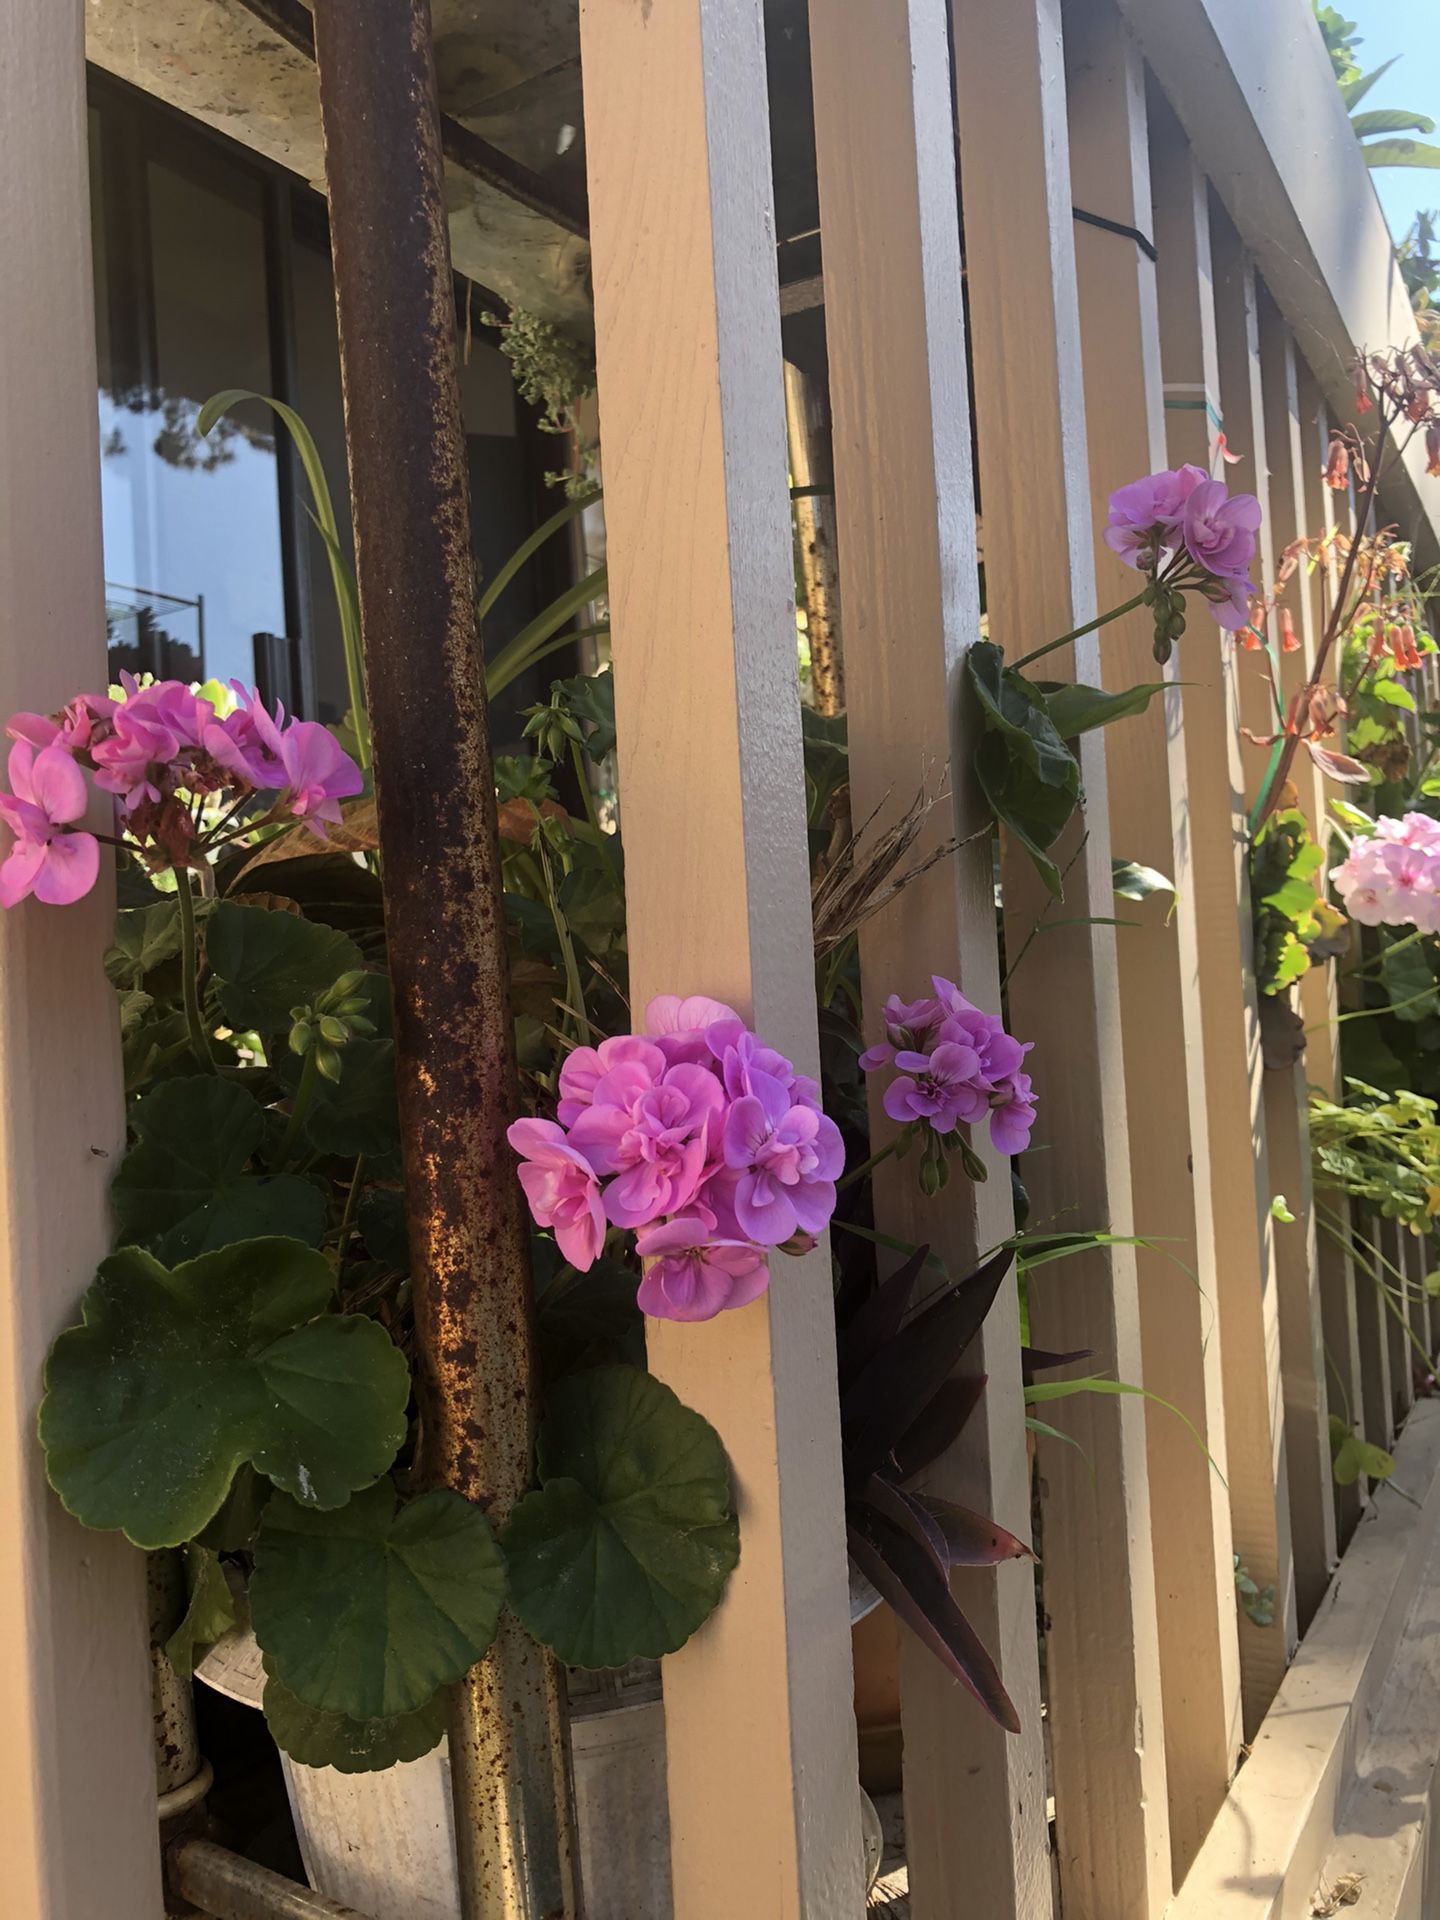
{"x": 625, "y": 1549}
{"x": 176, "y": 1379}
{"x": 183, "y": 1187}
{"x": 314, "y": 1738}
{"x": 266, "y": 963}
{"x": 367, "y": 1611}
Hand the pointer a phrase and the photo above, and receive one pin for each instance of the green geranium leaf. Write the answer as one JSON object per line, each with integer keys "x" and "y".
{"x": 357, "y": 1113}
{"x": 267, "y": 963}
{"x": 1076, "y": 709}
{"x": 209, "y": 1613}
{"x": 1025, "y": 770}
{"x": 314, "y": 1738}
{"x": 233, "y": 1525}
{"x": 175, "y": 1379}
{"x": 183, "y": 1187}
{"x": 383, "y": 1229}
{"x": 145, "y": 937}
{"x": 625, "y": 1549}
{"x": 367, "y": 1611}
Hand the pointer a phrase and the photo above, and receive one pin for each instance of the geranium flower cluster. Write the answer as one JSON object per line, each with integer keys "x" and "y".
{"x": 178, "y": 770}
{"x": 1391, "y": 877}
{"x": 1187, "y": 533}
{"x": 957, "y": 1066}
{"x": 697, "y": 1137}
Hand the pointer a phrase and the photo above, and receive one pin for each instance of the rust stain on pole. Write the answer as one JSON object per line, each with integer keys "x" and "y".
{"x": 436, "y": 791}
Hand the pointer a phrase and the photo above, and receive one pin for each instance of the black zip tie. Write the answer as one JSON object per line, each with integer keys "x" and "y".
{"x": 1146, "y": 246}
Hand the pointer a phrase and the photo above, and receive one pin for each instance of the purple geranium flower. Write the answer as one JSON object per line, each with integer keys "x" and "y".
{"x": 1219, "y": 530}
{"x": 1012, "y": 1114}
{"x": 786, "y": 1158}
{"x": 689, "y": 1275}
{"x": 1145, "y": 516}
{"x": 942, "y": 1087}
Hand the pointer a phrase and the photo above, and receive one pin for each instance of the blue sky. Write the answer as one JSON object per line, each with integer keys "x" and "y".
{"x": 1410, "y": 28}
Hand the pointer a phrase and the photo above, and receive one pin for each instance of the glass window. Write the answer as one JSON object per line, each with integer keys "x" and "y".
{"x": 193, "y": 559}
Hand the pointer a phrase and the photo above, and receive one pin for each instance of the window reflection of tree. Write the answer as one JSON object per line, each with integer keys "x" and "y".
{"x": 178, "y": 442}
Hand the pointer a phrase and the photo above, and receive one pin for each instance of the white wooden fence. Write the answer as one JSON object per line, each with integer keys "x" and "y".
{"x": 1243, "y": 260}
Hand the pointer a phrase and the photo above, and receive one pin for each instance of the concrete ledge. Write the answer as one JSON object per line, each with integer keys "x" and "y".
{"x": 1339, "y": 1764}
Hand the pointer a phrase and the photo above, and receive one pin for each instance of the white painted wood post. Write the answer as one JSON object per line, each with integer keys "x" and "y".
{"x": 1098, "y": 1582}
{"x": 1244, "y": 1249}
{"x": 974, "y": 1795}
{"x": 764, "y": 1803}
{"x": 1157, "y": 956}
{"x": 77, "y": 1777}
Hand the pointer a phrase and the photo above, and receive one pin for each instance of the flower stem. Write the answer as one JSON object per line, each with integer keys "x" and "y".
{"x": 901, "y": 1140}
{"x": 299, "y": 1107}
{"x": 1078, "y": 633}
{"x": 352, "y": 1202}
{"x": 189, "y": 971}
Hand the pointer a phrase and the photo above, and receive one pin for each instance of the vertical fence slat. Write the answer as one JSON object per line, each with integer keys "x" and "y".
{"x": 1099, "y": 1585}
{"x": 1397, "y": 1318}
{"x": 1163, "y": 1046}
{"x": 1341, "y": 1303}
{"x": 1249, "y": 1317}
{"x": 1287, "y": 1124}
{"x": 77, "y": 1810}
{"x": 760, "y": 1729}
{"x": 974, "y": 1796}
{"x": 1374, "y": 1329}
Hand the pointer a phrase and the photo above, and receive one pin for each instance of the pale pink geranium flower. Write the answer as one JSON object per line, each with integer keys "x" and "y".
{"x": 150, "y": 728}
{"x": 678, "y": 1026}
{"x": 690, "y": 1275}
{"x": 585, "y": 1067}
{"x": 47, "y": 797}
{"x": 562, "y": 1190}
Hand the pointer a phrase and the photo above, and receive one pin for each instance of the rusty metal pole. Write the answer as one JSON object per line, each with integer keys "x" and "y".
{"x": 454, "y": 1042}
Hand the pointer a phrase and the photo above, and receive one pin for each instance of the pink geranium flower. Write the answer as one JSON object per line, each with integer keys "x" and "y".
{"x": 562, "y": 1190}
{"x": 656, "y": 1133}
{"x": 787, "y": 1158}
{"x": 71, "y": 728}
{"x": 248, "y": 742}
{"x": 319, "y": 774}
{"x": 47, "y": 796}
{"x": 585, "y": 1067}
{"x": 689, "y": 1275}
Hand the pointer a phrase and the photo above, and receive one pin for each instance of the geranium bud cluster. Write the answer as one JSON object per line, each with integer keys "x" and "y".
{"x": 168, "y": 757}
{"x": 697, "y": 1137}
{"x": 1391, "y": 877}
{"x": 330, "y": 1023}
{"x": 957, "y": 1066}
{"x": 1187, "y": 534}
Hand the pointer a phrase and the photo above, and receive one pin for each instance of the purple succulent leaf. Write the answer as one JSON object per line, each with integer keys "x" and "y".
{"x": 939, "y": 1425}
{"x": 972, "y": 1540}
{"x": 1035, "y": 1360}
{"x": 877, "y": 1319}
{"x": 906, "y": 1575}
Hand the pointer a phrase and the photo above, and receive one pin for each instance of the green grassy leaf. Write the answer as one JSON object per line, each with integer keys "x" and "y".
{"x": 625, "y": 1549}
{"x": 175, "y": 1379}
{"x": 368, "y": 1610}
